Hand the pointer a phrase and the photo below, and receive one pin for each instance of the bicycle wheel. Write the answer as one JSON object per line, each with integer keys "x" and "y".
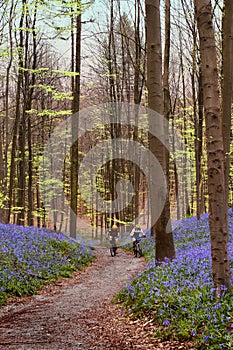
{"x": 139, "y": 250}
{"x": 112, "y": 251}
{"x": 135, "y": 250}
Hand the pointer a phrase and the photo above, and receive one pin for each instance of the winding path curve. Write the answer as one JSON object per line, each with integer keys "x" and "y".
{"x": 77, "y": 313}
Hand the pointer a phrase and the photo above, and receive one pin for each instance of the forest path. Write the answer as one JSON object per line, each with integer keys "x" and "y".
{"x": 77, "y": 313}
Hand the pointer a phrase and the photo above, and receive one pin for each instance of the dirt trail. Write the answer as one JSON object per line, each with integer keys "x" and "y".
{"x": 78, "y": 313}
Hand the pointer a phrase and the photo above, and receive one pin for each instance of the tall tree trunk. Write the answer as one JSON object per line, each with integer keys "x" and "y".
{"x": 22, "y": 132}
{"x": 162, "y": 229}
{"x": 112, "y": 88}
{"x": 21, "y": 176}
{"x": 137, "y": 100}
{"x": 176, "y": 178}
{"x": 166, "y": 92}
{"x": 29, "y": 105}
{"x": 167, "y": 102}
{"x": 2, "y": 176}
{"x": 17, "y": 109}
{"x": 198, "y": 148}
{"x": 186, "y": 204}
{"x": 7, "y": 92}
{"x": 227, "y": 85}
{"x": 215, "y": 153}
{"x": 27, "y": 94}
{"x": 75, "y": 109}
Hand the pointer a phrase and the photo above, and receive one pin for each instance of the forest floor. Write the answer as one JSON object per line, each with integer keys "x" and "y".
{"x": 78, "y": 313}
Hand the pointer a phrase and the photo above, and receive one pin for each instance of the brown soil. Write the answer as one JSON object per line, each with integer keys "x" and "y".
{"x": 77, "y": 313}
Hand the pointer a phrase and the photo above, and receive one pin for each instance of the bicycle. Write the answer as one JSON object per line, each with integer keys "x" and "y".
{"x": 137, "y": 248}
{"x": 113, "y": 247}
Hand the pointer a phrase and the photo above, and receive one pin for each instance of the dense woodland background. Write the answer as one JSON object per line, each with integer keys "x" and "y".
{"x": 59, "y": 57}
{"x": 120, "y": 112}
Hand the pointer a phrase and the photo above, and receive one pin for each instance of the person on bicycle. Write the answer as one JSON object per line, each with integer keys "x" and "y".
{"x": 136, "y": 232}
{"x": 113, "y": 233}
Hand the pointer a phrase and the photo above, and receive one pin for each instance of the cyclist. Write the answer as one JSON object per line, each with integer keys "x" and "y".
{"x": 113, "y": 234}
{"x": 136, "y": 232}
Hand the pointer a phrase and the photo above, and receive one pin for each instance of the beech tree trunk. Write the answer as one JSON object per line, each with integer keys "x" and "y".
{"x": 199, "y": 148}
{"x": 76, "y": 64}
{"x": 227, "y": 85}
{"x": 215, "y": 152}
{"x": 162, "y": 229}
{"x": 17, "y": 111}
{"x": 167, "y": 102}
{"x": 2, "y": 173}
